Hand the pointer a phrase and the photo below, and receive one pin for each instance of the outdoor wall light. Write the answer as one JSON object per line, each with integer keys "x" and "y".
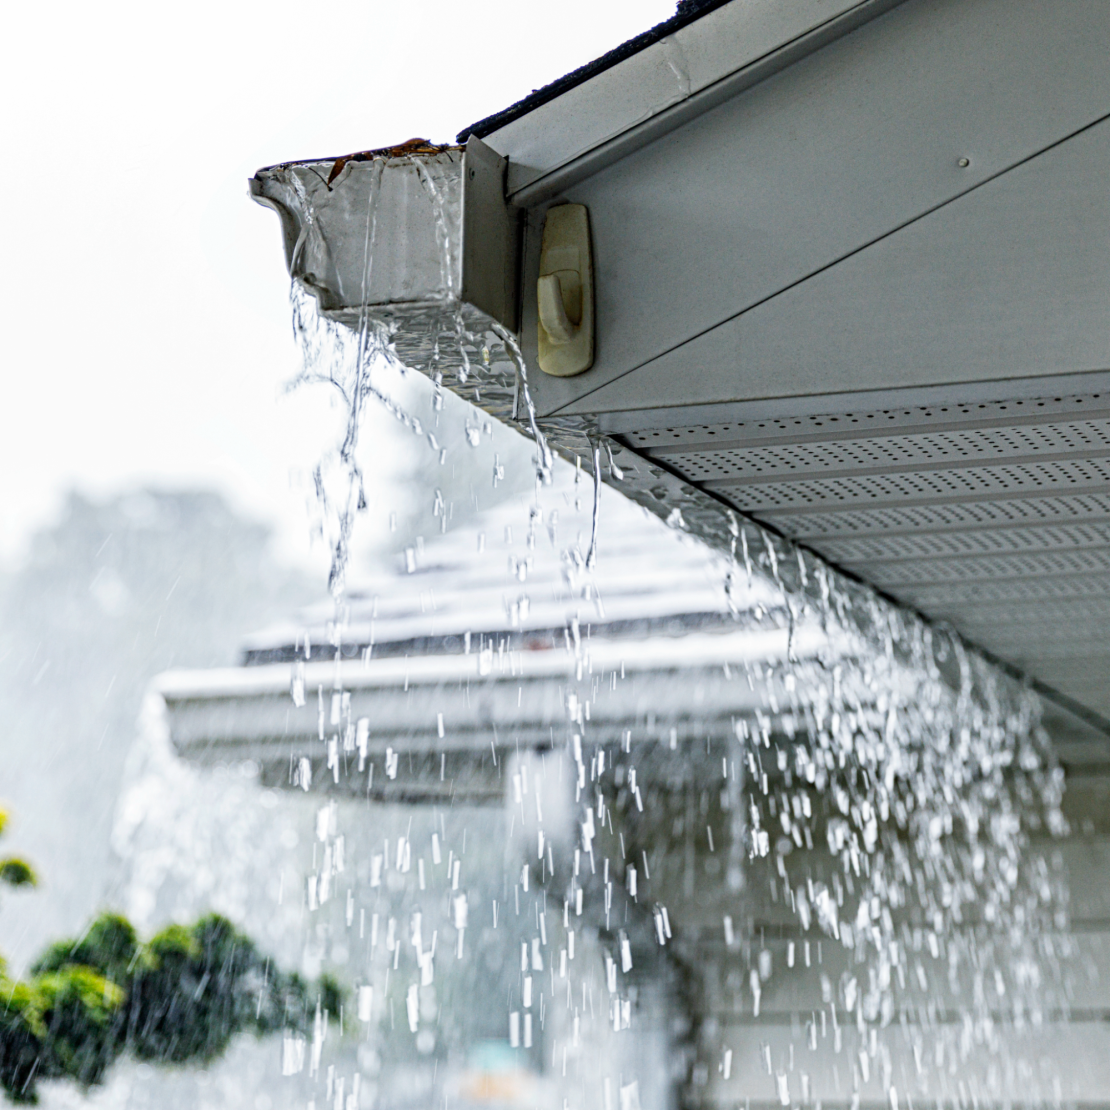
{"x": 565, "y": 293}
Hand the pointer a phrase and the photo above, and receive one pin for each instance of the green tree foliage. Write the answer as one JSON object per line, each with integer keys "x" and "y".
{"x": 180, "y": 997}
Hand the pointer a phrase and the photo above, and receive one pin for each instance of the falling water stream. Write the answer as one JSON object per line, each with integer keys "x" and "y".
{"x": 844, "y": 896}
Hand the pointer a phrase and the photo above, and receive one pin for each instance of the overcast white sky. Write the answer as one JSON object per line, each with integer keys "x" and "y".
{"x": 144, "y": 297}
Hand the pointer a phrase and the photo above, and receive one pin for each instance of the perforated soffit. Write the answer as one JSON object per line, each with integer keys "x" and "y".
{"x": 993, "y": 516}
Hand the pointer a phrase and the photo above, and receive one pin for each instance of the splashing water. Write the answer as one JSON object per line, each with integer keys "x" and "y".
{"x": 345, "y": 358}
{"x": 806, "y": 874}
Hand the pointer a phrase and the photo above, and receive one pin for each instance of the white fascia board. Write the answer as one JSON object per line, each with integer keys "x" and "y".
{"x": 676, "y": 69}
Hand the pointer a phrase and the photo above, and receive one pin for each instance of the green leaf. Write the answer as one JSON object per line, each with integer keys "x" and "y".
{"x": 110, "y": 946}
{"x": 331, "y": 994}
{"x": 17, "y": 872}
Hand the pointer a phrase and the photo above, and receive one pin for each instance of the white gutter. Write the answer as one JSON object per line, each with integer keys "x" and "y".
{"x": 693, "y": 684}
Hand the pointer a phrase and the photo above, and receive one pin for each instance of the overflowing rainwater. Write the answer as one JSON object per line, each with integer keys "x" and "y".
{"x": 805, "y": 859}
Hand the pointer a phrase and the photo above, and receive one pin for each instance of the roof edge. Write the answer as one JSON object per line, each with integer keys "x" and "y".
{"x": 686, "y": 14}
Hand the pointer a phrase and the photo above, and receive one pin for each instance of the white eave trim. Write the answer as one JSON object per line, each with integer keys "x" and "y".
{"x": 663, "y": 85}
